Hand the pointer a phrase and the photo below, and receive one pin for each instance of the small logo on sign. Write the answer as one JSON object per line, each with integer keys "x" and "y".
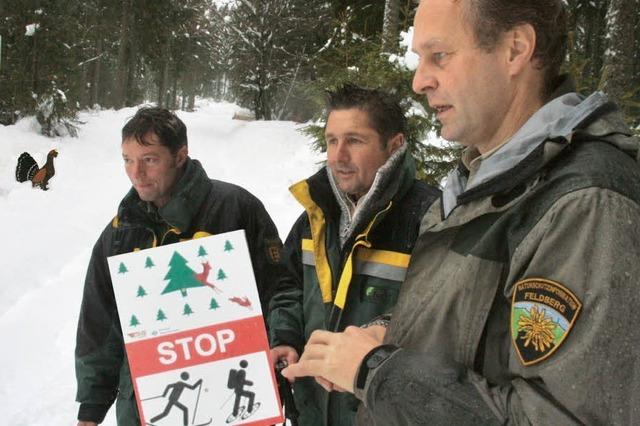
{"x": 542, "y": 314}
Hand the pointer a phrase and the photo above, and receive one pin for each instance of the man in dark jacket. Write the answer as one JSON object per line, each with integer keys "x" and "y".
{"x": 516, "y": 306}
{"x": 172, "y": 199}
{"x": 348, "y": 252}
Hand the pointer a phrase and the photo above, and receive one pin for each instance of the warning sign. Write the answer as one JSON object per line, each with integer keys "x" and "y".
{"x": 194, "y": 334}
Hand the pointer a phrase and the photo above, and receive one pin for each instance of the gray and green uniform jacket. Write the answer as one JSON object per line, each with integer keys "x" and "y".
{"x": 333, "y": 280}
{"x": 520, "y": 299}
{"x": 198, "y": 207}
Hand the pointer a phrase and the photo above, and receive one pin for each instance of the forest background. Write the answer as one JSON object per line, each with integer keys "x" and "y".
{"x": 274, "y": 57}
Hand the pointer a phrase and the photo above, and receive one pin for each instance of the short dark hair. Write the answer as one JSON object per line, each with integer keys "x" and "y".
{"x": 166, "y": 125}
{"x": 492, "y": 18}
{"x": 385, "y": 114}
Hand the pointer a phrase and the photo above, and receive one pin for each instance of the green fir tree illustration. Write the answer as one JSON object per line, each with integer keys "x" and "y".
{"x": 149, "y": 263}
{"x": 221, "y": 275}
{"x": 122, "y": 268}
{"x": 228, "y": 246}
{"x": 180, "y": 276}
{"x": 214, "y": 304}
{"x": 161, "y": 316}
{"x": 202, "y": 252}
{"x": 141, "y": 292}
{"x": 134, "y": 321}
{"x": 187, "y": 309}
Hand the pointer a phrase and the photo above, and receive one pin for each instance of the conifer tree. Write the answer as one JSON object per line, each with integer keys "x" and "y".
{"x": 616, "y": 78}
{"x": 134, "y": 321}
{"x": 187, "y": 310}
{"x": 180, "y": 276}
{"x": 141, "y": 292}
{"x": 161, "y": 316}
{"x": 214, "y": 304}
{"x": 221, "y": 275}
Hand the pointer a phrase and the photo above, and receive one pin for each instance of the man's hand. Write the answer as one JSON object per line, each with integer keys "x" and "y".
{"x": 334, "y": 358}
{"x": 83, "y": 423}
{"x": 286, "y": 353}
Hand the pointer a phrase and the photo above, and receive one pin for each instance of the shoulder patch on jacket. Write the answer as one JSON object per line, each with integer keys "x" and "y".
{"x": 542, "y": 314}
{"x": 273, "y": 248}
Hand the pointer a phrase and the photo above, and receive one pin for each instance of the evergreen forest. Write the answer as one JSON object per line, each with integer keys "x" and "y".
{"x": 276, "y": 58}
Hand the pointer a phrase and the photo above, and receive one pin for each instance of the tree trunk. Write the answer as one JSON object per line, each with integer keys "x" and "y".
{"x": 131, "y": 97}
{"x": 163, "y": 83}
{"x": 35, "y": 79}
{"x": 173, "y": 100}
{"x": 390, "y": 25}
{"x": 189, "y": 91}
{"x": 619, "y": 54}
{"x": 123, "y": 57}
{"x": 95, "y": 75}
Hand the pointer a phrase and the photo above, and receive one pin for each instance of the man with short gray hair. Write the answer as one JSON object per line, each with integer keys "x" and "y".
{"x": 523, "y": 279}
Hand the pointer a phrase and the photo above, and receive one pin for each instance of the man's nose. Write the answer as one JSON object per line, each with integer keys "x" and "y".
{"x": 423, "y": 80}
{"x": 342, "y": 152}
{"x": 138, "y": 169}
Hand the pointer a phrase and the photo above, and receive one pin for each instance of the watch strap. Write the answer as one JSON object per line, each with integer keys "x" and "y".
{"x": 371, "y": 360}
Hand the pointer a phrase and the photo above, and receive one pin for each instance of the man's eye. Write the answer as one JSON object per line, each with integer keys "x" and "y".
{"x": 151, "y": 160}
{"x": 126, "y": 161}
{"x": 439, "y": 57}
{"x": 331, "y": 141}
{"x": 354, "y": 141}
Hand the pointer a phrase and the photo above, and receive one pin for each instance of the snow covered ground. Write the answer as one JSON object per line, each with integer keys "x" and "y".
{"x": 48, "y": 236}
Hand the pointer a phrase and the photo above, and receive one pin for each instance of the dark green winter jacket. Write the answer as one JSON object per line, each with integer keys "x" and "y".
{"x": 198, "y": 207}
{"x": 329, "y": 288}
{"x": 519, "y": 302}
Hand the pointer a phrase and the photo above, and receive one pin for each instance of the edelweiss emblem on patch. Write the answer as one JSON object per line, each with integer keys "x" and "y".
{"x": 542, "y": 314}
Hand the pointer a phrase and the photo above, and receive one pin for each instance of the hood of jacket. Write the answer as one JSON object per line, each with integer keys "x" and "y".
{"x": 568, "y": 118}
{"x": 186, "y": 198}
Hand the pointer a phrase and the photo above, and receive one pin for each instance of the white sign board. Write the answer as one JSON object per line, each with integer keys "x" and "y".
{"x": 194, "y": 334}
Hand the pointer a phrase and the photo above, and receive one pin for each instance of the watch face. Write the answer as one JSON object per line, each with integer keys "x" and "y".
{"x": 376, "y": 359}
{"x": 382, "y": 353}
{"x": 372, "y": 360}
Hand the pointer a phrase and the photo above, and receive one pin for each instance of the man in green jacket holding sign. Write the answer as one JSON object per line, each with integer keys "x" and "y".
{"x": 348, "y": 252}
{"x": 172, "y": 199}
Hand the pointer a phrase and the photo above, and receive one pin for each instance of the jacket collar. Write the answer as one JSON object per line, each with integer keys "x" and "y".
{"x": 187, "y": 197}
{"x": 386, "y": 184}
{"x": 547, "y": 133}
{"x": 318, "y": 193}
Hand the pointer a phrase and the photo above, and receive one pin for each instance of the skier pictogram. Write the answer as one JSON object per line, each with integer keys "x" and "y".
{"x": 176, "y": 391}
{"x": 237, "y": 381}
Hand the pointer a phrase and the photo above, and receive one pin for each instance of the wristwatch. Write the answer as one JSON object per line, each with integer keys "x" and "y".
{"x": 372, "y": 360}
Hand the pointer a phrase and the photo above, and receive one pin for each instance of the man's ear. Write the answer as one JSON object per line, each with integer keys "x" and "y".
{"x": 181, "y": 155}
{"x": 395, "y": 143}
{"x": 520, "y": 46}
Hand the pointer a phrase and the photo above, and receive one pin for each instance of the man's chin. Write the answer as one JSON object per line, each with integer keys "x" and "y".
{"x": 145, "y": 196}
